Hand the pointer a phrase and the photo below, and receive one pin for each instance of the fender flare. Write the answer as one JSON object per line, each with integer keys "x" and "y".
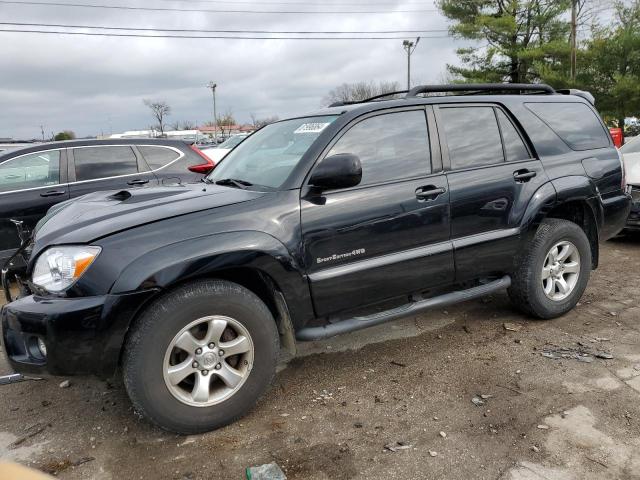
{"x": 204, "y": 256}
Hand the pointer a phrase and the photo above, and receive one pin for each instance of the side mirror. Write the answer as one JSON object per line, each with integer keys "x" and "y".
{"x": 342, "y": 170}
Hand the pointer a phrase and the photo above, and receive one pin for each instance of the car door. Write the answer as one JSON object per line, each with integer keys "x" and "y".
{"x": 492, "y": 175}
{"x": 107, "y": 167}
{"x": 29, "y": 185}
{"x": 389, "y": 236}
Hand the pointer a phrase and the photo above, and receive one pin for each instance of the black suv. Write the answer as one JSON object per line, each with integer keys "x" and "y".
{"x": 35, "y": 178}
{"x": 314, "y": 226}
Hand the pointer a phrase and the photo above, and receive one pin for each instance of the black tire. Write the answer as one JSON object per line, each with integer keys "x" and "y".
{"x": 153, "y": 331}
{"x": 526, "y": 291}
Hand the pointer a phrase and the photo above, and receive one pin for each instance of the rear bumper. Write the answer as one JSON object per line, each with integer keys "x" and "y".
{"x": 615, "y": 213}
{"x": 82, "y": 335}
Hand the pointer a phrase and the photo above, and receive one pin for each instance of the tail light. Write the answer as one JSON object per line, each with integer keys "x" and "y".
{"x": 201, "y": 168}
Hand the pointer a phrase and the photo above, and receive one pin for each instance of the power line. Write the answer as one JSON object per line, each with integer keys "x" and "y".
{"x": 277, "y": 32}
{"x": 227, "y": 37}
{"x": 210, "y": 10}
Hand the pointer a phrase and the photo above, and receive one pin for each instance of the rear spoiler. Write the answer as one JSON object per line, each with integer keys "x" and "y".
{"x": 579, "y": 93}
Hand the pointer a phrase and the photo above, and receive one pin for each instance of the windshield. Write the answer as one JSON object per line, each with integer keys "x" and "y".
{"x": 232, "y": 141}
{"x": 268, "y": 156}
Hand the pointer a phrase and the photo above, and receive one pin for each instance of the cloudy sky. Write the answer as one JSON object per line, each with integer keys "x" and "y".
{"x": 95, "y": 85}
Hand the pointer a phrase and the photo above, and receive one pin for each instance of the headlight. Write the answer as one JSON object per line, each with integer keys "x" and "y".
{"x": 58, "y": 268}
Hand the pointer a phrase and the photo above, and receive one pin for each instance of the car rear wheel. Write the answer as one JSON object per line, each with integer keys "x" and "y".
{"x": 553, "y": 272}
{"x": 199, "y": 357}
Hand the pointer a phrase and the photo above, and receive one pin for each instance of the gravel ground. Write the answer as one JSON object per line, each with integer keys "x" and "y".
{"x": 331, "y": 412}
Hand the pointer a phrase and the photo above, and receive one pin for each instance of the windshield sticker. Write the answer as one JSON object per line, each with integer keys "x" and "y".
{"x": 311, "y": 127}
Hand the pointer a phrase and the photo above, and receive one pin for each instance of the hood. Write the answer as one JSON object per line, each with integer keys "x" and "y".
{"x": 632, "y": 168}
{"x": 96, "y": 215}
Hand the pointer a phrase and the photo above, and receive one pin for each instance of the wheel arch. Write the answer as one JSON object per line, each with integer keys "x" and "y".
{"x": 570, "y": 198}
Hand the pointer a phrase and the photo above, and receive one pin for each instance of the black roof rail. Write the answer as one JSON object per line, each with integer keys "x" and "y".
{"x": 481, "y": 88}
{"x": 382, "y": 95}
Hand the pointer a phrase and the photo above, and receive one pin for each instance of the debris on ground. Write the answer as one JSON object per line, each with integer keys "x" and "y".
{"x": 443, "y": 434}
{"x": 432, "y": 453}
{"x": 32, "y": 431}
{"x": 394, "y": 447}
{"x": 582, "y": 354}
{"x": 543, "y": 427}
{"x": 65, "y": 384}
{"x": 477, "y": 401}
{"x": 270, "y": 471}
{"x": 398, "y": 364}
{"x": 512, "y": 327}
{"x": 535, "y": 449}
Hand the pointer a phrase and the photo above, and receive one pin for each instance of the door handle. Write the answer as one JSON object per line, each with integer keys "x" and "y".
{"x": 522, "y": 176}
{"x": 53, "y": 193}
{"x": 138, "y": 182}
{"x": 430, "y": 192}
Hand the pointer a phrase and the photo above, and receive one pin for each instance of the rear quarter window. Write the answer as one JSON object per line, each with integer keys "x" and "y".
{"x": 158, "y": 157}
{"x": 575, "y": 123}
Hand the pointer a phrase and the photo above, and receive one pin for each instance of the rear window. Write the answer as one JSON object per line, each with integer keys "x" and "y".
{"x": 158, "y": 157}
{"x": 473, "y": 137}
{"x": 575, "y": 123}
{"x": 93, "y": 163}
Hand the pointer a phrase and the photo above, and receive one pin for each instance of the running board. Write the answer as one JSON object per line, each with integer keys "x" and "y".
{"x": 358, "y": 323}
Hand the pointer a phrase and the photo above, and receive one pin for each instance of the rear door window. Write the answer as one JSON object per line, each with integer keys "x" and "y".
{"x": 472, "y": 135}
{"x": 92, "y": 163}
{"x": 391, "y": 147}
{"x": 158, "y": 157}
{"x": 34, "y": 170}
{"x": 573, "y": 122}
{"x": 514, "y": 147}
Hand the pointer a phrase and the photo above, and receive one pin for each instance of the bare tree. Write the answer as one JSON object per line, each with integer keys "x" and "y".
{"x": 159, "y": 109}
{"x": 356, "y": 92}
{"x": 185, "y": 125}
{"x": 225, "y": 122}
{"x": 261, "y": 122}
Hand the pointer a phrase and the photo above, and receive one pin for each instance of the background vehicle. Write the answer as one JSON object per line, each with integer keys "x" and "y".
{"x": 217, "y": 153}
{"x": 35, "y": 178}
{"x": 314, "y": 226}
{"x": 631, "y": 154}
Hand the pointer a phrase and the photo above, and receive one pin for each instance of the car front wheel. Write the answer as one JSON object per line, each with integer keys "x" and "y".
{"x": 199, "y": 357}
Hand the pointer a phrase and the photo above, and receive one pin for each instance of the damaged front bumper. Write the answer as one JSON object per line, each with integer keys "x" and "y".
{"x": 633, "y": 221}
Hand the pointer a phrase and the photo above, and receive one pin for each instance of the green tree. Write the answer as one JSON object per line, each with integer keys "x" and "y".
{"x": 611, "y": 70}
{"x": 65, "y": 135}
{"x": 516, "y": 37}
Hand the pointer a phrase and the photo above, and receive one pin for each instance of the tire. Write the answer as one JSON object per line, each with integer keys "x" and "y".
{"x": 527, "y": 291}
{"x": 148, "y": 361}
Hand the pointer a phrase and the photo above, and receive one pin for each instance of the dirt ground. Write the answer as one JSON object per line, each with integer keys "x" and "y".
{"x": 331, "y": 412}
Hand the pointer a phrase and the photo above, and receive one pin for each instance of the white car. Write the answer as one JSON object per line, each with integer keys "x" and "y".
{"x": 217, "y": 153}
{"x": 631, "y": 155}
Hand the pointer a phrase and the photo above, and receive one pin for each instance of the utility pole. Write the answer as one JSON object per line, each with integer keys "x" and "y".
{"x": 409, "y": 47}
{"x": 213, "y": 86}
{"x": 42, "y": 130}
{"x": 574, "y": 40}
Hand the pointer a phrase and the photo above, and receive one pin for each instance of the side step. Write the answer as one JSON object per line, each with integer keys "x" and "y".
{"x": 358, "y": 323}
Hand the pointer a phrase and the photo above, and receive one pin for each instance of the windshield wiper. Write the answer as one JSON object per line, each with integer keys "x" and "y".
{"x": 234, "y": 183}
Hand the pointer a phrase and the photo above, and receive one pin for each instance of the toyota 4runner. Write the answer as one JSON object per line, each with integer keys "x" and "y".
{"x": 313, "y": 226}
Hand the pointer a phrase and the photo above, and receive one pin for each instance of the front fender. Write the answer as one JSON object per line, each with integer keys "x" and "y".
{"x": 205, "y": 256}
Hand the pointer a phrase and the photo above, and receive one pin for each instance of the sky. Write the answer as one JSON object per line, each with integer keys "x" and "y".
{"x": 96, "y": 85}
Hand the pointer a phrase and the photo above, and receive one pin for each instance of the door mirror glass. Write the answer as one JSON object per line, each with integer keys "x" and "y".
{"x": 342, "y": 170}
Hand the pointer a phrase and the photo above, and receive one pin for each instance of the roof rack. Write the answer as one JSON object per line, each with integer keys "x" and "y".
{"x": 340, "y": 104}
{"x": 481, "y": 88}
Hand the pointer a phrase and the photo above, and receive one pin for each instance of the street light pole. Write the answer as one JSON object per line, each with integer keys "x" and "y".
{"x": 409, "y": 47}
{"x": 213, "y": 86}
